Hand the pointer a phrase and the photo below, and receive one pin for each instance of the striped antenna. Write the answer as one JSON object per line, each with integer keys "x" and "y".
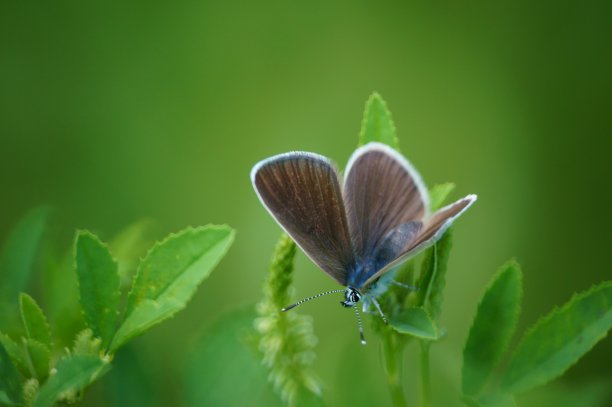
{"x": 363, "y": 341}
{"x": 310, "y": 298}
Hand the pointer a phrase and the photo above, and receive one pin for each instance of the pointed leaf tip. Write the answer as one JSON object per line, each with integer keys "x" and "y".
{"x": 34, "y": 320}
{"x": 560, "y": 339}
{"x": 98, "y": 280}
{"x": 492, "y": 328}
{"x": 377, "y": 123}
{"x": 169, "y": 275}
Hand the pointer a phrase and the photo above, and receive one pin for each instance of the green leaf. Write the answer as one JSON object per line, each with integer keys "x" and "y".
{"x": 5, "y": 400}
{"x": 130, "y": 245}
{"x": 377, "y": 124}
{"x": 493, "y": 326}
{"x": 438, "y": 194}
{"x": 73, "y": 374}
{"x": 40, "y": 357}
{"x": 169, "y": 275}
{"x": 34, "y": 321}
{"x": 495, "y": 400}
{"x": 594, "y": 392}
{"x": 18, "y": 255}
{"x": 98, "y": 285}
{"x": 416, "y": 322}
{"x": 433, "y": 275}
{"x": 17, "y": 354}
{"x": 559, "y": 339}
{"x": 242, "y": 376}
{"x": 9, "y": 378}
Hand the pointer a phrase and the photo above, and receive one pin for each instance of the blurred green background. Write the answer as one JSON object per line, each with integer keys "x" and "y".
{"x": 116, "y": 111}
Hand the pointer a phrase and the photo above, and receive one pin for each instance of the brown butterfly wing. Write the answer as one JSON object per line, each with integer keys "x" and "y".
{"x": 433, "y": 230}
{"x": 302, "y": 192}
{"x": 381, "y": 192}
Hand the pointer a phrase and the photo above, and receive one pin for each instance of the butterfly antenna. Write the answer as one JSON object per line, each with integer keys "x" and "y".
{"x": 310, "y": 298}
{"x": 363, "y": 341}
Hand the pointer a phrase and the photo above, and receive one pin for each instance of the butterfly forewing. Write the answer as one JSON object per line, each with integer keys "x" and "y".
{"x": 381, "y": 192}
{"x": 432, "y": 231}
{"x": 302, "y": 192}
{"x": 442, "y": 219}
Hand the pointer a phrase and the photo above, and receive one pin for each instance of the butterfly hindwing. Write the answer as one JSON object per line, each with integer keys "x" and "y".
{"x": 432, "y": 231}
{"x": 302, "y": 192}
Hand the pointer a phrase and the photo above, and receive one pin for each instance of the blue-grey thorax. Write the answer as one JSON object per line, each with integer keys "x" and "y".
{"x": 363, "y": 271}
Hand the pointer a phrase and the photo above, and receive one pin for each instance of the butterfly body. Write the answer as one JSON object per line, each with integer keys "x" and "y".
{"x": 358, "y": 227}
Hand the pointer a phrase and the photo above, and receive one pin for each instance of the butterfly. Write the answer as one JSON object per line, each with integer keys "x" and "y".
{"x": 358, "y": 227}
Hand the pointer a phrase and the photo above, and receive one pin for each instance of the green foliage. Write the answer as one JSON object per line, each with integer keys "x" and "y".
{"x": 377, "y": 124}
{"x": 595, "y": 392}
{"x": 558, "y": 340}
{"x": 39, "y": 356}
{"x": 34, "y": 321}
{"x": 98, "y": 282}
{"x": 130, "y": 245}
{"x": 273, "y": 364}
{"x": 30, "y": 391}
{"x": 438, "y": 195}
{"x": 286, "y": 341}
{"x": 493, "y": 326}
{"x": 239, "y": 374}
{"x": 495, "y": 400}
{"x": 73, "y": 374}
{"x": 416, "y": 322}
{"x": 18, "y": 255}
{"x": 169, "y": 275}
{"x": 10, "y": 389}
{"x": 410, "y": 316}
{"x": 547, "y": 350}
{"x": 553, "y": 345}
{"x": 433, "y": 275}
{"x": 31, "y": 374}
{"x": 85, "y": 344}
{"x": 17, "y": 354}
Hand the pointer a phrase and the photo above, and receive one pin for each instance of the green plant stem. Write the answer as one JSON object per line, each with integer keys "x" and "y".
{"x": 425, "y": 383}
{"x": 393, "y": 351}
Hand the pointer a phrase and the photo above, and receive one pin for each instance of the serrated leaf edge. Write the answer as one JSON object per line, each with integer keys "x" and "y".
{"x": 105, "y": 245}
{"x": 498, "y": 274}
{"x": 174, "y": 235}
{"x": 375, "y": 97}
{"x": 113, "y": 347}
{"x": 543, "y": 320}
{"x": 45, "y": 321}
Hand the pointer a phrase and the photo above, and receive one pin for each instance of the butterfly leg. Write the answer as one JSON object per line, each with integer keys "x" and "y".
{"x": 410, "y": 287}
{"x": 377, "y": 305}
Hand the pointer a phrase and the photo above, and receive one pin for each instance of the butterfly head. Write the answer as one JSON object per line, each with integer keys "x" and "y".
{"x": 351, "y": 297}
